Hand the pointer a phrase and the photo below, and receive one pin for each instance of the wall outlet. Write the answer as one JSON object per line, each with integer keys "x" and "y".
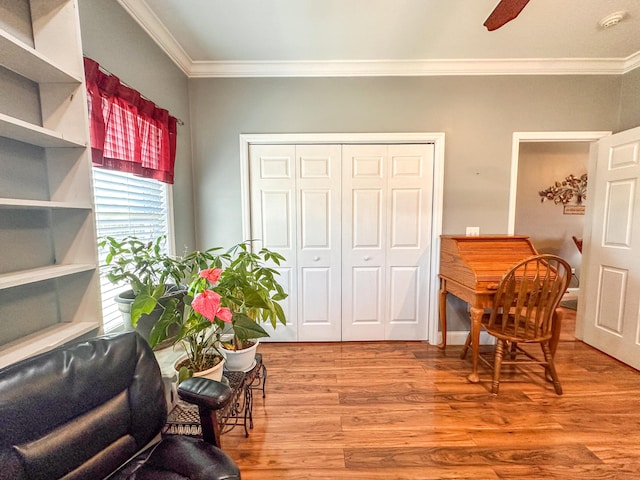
{"x": 473, "y": 231}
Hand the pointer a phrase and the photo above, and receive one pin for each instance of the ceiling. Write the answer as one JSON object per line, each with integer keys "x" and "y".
{"x": 234, "y": 38}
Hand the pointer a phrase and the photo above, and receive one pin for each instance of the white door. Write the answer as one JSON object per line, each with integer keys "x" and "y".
{"x": 354, "y": 223}
{"x": 295, "y": 210}
{"x": 386, "y": 231}
{"x": 273, "y": 213}
{"x": 318, "y": 242}
{"x": 612, "y": 254}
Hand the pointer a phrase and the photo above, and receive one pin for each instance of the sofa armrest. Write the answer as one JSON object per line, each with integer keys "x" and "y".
{"x": 210, "y": 396}
{"x": 205, "y": 393}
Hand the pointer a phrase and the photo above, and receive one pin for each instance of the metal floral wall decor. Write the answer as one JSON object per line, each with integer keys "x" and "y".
{"x": 570, "y": 193}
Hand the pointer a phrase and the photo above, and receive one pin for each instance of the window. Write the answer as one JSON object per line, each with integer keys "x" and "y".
{"x": 126, "y": 205}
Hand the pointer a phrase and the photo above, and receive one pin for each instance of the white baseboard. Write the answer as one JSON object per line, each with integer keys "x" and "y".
{"x": 571, "y": 294}
{"x": 458, "y": 338}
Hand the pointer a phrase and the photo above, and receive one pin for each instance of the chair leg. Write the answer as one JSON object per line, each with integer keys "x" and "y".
{"x": 497, "y": 364}
{"x": 551, "y": 368}
{"x": 465, "y": 349}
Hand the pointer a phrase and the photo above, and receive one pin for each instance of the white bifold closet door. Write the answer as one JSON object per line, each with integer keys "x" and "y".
{"x": 295, "y": 210}
{"x": 354, "y": 222}
{"x": 386, "y": 236}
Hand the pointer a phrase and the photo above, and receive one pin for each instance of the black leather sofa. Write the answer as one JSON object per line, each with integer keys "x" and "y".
{"x": 87, "y": 410}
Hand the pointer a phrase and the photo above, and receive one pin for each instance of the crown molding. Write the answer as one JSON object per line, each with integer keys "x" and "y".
{"x": 150, "y": 23}
{"x": 632, "y": 62}
{"x": 379, "y": 68}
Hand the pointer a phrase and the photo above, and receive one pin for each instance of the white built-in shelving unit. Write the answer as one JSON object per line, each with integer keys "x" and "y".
{"x": 49, "y": 288}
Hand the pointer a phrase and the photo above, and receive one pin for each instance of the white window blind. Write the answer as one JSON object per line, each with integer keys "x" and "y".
{"x": 126, "y": 205}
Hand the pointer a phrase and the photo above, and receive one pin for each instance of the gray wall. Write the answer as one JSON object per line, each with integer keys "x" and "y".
{"x": 478, "y": 115}
{"x": 113, "y": 39}
{"x": 630, "y": 101}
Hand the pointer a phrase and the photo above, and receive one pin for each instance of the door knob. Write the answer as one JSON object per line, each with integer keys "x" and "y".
{"x": 367, "y": 258}
{"x": 315, "y": 259}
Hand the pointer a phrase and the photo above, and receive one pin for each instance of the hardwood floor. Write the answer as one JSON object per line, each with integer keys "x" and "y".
{"x": 404, "y": 410}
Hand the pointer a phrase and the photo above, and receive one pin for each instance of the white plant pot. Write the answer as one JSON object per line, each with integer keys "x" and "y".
{"x": 213, "y": 373}
{"x": 241, "y": 360}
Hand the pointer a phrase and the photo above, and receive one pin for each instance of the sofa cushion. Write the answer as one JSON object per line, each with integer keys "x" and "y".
{"x": 81, "y": 411}
{"x": 180, "y": 457}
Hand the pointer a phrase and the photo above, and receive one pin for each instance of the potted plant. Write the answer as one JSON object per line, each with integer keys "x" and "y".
{"x": 234, "y": 294}
{"x": 155, "y": 278}
{"x": 150, "y": 274}
{"x": 198, "y": 326}
{"x": 248, "y": 287}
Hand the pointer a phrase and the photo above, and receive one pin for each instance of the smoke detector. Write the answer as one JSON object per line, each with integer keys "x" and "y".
{"x": 612, "y": 20}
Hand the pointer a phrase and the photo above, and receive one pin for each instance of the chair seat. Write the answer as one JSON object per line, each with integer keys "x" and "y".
{"x": 513, "y": 331}
{"x": 178, "y": 457}
{"x": 524, "y": 311}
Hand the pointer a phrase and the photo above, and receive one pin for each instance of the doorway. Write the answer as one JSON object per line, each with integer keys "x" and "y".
{"x": 539, "y": 159}
{"x": 248, "y": 142}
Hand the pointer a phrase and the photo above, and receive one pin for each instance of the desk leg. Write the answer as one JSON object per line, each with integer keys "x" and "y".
{"x": 443, "y": 314}
{"x": 476, "y": 320}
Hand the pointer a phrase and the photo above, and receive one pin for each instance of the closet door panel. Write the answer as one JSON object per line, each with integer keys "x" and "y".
{"x": 367, "y": 295}
{"x": 366, "y": 215}
{"x": 410, "y": 192}
{"x": 276, "y": 220}
{"x": 315, "y": 285}
{"x": 364, "y": 222}
{"x": 403, "y": 294}
{"x": 315, "y": 219}
{"x": 273, "y": 221}
{"x": 318, "y": 242}
{"x": 405, "y": 218}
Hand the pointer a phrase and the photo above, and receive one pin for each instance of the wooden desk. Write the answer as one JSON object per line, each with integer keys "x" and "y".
{"x": 470, "y": 269}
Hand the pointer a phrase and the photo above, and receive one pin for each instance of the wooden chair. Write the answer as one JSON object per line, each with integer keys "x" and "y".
{"x": 578, "y": 242}
{"x": 524, "y": 311}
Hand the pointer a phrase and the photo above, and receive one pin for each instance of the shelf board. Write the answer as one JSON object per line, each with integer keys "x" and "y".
{"x": 16, "y": 129}
{"x": 41, "y": 204}
{"x": 25, "y": 60}
{"x": 44, "y": 340}
{"x": 33, "y": 275}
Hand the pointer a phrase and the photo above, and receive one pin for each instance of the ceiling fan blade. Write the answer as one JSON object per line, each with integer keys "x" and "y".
{"x": 504, "y": 12}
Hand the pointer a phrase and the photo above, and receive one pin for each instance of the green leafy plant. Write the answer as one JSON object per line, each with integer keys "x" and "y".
{"x": 143, "y": 265}
{"x": 248, "y": 286}
{"x": 236, "y": 290}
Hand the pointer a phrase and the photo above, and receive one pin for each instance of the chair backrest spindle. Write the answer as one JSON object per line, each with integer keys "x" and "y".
{"x": 527, "y": 297}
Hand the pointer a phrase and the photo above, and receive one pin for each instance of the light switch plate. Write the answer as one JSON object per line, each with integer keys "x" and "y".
{"x": 473, "y": 231}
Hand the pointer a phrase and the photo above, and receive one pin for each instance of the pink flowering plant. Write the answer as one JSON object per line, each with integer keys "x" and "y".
{"x": 233, "y": 293}
{"x": 199, "y": 324}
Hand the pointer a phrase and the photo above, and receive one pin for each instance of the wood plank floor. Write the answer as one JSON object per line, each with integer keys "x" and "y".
{"x": 404, "y": 410}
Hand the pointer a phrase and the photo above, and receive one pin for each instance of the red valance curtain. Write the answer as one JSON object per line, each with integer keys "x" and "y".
{"x": 128, "y": 132}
